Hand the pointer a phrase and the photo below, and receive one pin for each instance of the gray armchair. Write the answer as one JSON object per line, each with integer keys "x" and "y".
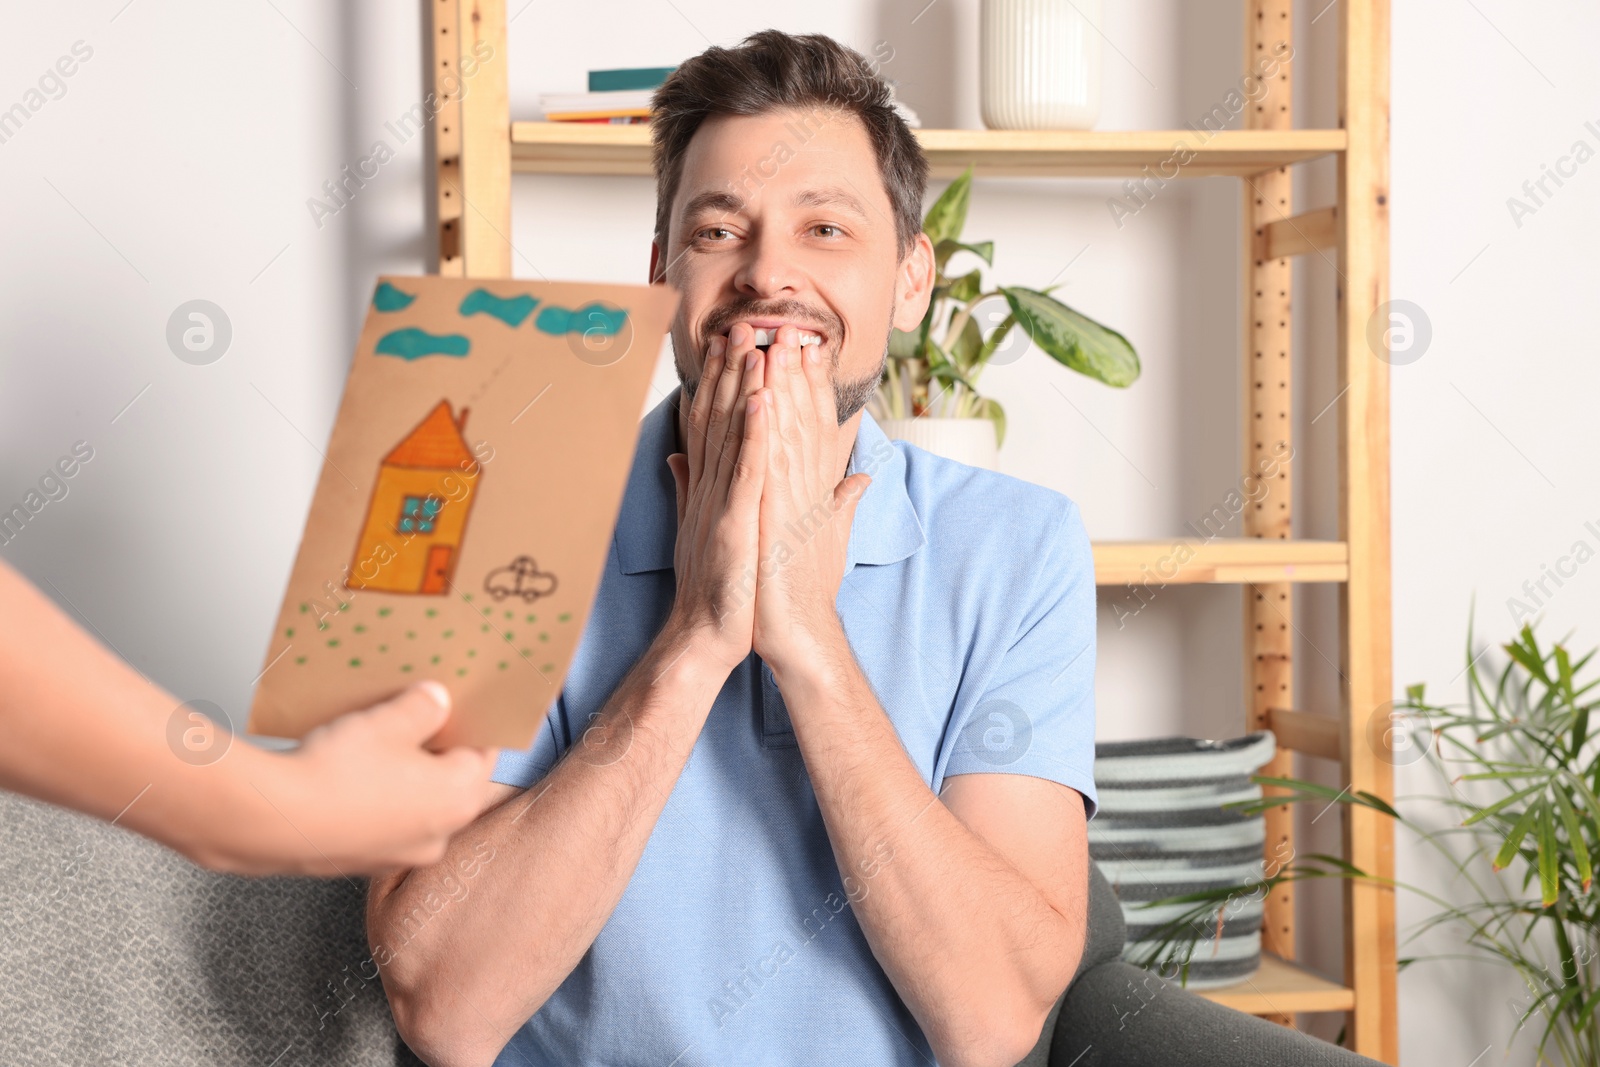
{"x": 114, "y": 950}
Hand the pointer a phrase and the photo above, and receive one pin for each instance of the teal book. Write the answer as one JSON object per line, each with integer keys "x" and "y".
{"x": 601, "y": 81}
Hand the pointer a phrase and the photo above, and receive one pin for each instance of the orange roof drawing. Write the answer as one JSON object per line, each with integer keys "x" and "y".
{"x": 436, "y": 442}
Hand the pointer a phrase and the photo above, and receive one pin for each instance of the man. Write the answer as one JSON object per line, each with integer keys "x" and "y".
{"x": 816, "y": 787}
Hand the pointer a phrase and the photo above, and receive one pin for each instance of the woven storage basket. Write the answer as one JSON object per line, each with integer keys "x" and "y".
{"x": 1161, "y": 831}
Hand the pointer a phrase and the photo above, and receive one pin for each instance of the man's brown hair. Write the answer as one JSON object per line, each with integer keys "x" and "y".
{"x": 772, "y": 70}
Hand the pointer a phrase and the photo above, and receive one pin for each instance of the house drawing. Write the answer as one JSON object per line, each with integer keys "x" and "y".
{"x": 411, "y": 537}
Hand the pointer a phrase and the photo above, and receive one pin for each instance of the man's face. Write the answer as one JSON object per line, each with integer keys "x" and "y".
{"x": 784, "y": 218}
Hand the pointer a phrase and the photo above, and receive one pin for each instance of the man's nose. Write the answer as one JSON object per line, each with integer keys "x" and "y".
{"x": 769, "y": 268}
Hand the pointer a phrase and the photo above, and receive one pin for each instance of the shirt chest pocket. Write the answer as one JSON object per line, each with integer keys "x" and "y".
{"x": 776, "y": 729}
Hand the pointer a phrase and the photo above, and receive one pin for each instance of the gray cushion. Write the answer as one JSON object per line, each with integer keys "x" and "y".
{"x": 115, "y": 950}
{"x": 1114, "y": 1014}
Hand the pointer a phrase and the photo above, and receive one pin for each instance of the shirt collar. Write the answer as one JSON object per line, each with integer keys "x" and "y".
{"x": 886, "y": 528}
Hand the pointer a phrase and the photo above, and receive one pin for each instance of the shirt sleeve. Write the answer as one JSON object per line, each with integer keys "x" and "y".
{"x": 524, "y": 766}
{"x": 1036, "y": 715}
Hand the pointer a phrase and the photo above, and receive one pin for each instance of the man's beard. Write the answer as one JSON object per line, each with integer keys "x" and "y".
{"x": 849, "y": 396}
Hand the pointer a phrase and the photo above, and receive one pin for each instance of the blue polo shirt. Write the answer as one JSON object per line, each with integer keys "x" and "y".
{"x": 968, "y": 599}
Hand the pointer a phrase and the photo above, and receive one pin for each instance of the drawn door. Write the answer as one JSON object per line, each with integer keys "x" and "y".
{"x": 437, "y": 571}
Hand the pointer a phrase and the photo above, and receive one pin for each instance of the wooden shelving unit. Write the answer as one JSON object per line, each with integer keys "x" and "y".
{"x": 570, "y": 148}
{"x": 478, "y": 147}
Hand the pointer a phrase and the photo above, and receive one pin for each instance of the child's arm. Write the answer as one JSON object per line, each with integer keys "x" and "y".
{"x": 80, "y": 728}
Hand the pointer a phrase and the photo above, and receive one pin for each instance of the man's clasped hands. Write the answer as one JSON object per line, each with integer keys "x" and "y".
{"x": 764, "y": 512}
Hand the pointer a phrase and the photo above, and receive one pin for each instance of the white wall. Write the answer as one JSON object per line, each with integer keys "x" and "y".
{"x": 178, "y": 162}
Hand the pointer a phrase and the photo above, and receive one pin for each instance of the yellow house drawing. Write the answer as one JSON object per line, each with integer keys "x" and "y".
{"x": 411, "y": 538}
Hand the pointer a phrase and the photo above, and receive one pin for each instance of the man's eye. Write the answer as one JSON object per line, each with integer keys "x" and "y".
{"x": 713, "y": 229}
{"x": 827, "y": 226}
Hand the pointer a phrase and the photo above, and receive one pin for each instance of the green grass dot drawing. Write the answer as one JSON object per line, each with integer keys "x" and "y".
{"x": 322, "y": 625}
{"x": 304, "y": 608}
{"x": 504, "y": 664}
{"x": 508, "y": 636}
{"x": 471, "y": 652}
{"x": 435, "y": 659}
{"x": 431, "y": 612}
{"x": 544, "y": 637}
{"x": 565, "y": 616}
{"x": 511, "y": 614}
{"x": 405, "y": 666}
{"x": 484, "y": 628}
{"x": 344, "y": 605}
{"x": 299, "y": 659}
{"x": 488, "y": 611}
{"x": 289, "y": 632}
{"x": 467, "y": 597}
{"x": 360, "y": 629}
{"x": 383, "y": 648}
{"x": 449, "y": 633}
{"x": 460, "y": 671}
{"x": 411, "y": 635}
{"x": 525, "y": 653}
{"x": 533, "y": 618}
{"x": 354, "y": 662}
{"x": 333, "y": 642}
{"x": 383, "y": 613}
{"x": 548, "y": 667}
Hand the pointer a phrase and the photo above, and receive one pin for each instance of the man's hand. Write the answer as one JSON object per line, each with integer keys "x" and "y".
{"x": 806, "y": 511}
{"x": 719, "y": 484}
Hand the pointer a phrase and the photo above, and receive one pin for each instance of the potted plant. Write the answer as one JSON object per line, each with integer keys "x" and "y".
{"x": 1519, "y": 770}
{"x": 929, "y": 394}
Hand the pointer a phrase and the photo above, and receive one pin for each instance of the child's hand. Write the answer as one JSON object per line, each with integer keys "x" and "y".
{"x": 361, "y": 794}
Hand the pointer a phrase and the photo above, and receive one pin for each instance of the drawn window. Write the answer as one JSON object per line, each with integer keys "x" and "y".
{"x": 419, "y": 514}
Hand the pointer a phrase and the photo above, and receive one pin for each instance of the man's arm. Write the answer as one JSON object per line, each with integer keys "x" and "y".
{"x": 974, "y": 901}
{"x": 463, "y": 971}
{"x": 976, "y": 909}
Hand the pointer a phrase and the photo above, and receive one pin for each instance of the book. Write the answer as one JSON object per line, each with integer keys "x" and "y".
{"x": 466, "y": 503}
{"x": 596, "y": 105}
{"x": 628, "y": 78}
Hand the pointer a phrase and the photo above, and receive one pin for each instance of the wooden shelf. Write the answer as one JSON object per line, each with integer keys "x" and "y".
{"x": 582, "y": 148}
{"x": 1281, "y": 988}
{"x": 1231, "y": 560}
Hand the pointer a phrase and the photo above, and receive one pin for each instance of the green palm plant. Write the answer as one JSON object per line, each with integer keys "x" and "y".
{"x": 1519, "y": 766}
{"x": 936, "y": 373}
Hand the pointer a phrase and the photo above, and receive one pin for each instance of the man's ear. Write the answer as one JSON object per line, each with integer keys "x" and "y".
{"x": 914, "y": 285}
{"x": 655, "y": 257}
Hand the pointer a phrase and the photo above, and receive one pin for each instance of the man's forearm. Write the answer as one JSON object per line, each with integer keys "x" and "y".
{"x": 973, "y": 948}
{"x": 479, "y": 965}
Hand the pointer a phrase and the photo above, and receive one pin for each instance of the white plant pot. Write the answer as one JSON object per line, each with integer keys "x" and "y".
{"x": 1039, "y": 64}
{"x": 969, "y": 441}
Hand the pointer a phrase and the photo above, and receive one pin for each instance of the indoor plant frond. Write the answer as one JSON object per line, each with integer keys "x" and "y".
{"x": 934, "y": 369}
{"x": 1519, "y": 767}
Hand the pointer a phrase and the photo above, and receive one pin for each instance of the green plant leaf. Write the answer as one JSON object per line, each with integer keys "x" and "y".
{"x": 1073, "y": 340}
{"x": 1580, "y": 849}
{"x": 1549, "y": 858}
{"x": 902, "y": 345}
{"x": 991, "y": 409}
{"x": 966, "y": 288}
{"x": 1501, "y": 804}
{"x": 942, "y": 251}
{"x": 1508, "y": 850}
{"x": 948, "y": 215}
{"x": 964, "y": 353}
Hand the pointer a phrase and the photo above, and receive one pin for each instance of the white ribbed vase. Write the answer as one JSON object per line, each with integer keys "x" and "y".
{"x": 1039, "y": 64}
{"x": 969, "y": 441}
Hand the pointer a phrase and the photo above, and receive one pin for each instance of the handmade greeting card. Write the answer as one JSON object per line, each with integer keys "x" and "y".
{"x": 467, "y": 501}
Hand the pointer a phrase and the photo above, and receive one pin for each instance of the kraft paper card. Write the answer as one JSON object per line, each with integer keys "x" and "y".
{"x": 466, "y": 505}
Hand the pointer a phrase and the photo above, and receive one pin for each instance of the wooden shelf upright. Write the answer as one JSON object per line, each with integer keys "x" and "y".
{"x": 477, "y": 148}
